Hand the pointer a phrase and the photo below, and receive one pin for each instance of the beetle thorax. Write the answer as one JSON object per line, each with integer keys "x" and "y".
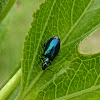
{"x": 46, "y": 60}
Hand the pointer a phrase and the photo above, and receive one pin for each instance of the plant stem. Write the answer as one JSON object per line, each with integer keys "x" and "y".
{"x": 11, "y": 84}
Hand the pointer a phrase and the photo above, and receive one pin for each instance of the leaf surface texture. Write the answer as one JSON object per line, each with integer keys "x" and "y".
{"x": 75, "y": 74}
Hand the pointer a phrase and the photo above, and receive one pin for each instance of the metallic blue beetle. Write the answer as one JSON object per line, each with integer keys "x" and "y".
{"x": 51, "y": 50}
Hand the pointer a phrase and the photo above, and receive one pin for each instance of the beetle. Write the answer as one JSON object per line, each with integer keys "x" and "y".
{"x": 50, "y": 51}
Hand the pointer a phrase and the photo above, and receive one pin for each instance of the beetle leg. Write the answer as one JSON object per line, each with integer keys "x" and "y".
{"x": 42, "y": 47}
{"x": 57, "y": 54}
{"x": 50, "y": 63}
{"x": 42, "y": 51}
{"x": 45, "y": 42}
{"x": 51, "y": 70}
{"x": 42, "y": 58}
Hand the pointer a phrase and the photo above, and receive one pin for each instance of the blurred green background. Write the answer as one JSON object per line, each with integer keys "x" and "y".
{"x": 12, "y": 33}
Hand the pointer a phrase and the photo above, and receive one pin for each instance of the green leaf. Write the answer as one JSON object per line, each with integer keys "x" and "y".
{"x": 5, "y": 6}
{"x": 75, "y": 74}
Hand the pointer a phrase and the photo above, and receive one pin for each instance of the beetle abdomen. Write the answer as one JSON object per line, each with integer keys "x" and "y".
{"x": 52, "y": 48}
